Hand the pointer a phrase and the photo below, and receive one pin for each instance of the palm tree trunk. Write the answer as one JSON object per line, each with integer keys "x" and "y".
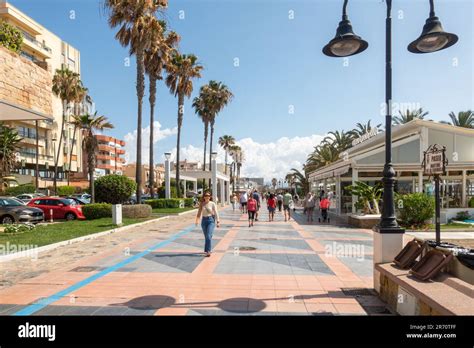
{"x": 37, "y": 157}
{"x": 210, "y": 151}
{"x": 91, "y": 167}
{"x": 55, "y": 180}
{"x": 70, "y": 155}
{"x": 178, "y": 141}
{"x": 140, "y": 93}
{"x": 206, "y": 133}
{"x": 152, "y": 99}
{"x": 225, "y": 168}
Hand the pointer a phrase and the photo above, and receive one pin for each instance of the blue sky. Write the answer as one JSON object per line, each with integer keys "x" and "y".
{"x": 280, "y": 67}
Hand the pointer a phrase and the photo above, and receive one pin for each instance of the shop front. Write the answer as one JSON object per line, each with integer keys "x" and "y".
{"x": 365, "y": 160}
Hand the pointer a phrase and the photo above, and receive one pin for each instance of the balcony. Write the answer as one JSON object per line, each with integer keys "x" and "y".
{"x": 38, "y": 47}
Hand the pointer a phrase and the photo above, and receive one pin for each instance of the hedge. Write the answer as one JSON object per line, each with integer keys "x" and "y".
{"x": 66, "y": 190}
{"x": 136, "y": 211}
{"x": 19, "y": 190}
{"x": 169, "y": 203}
{"x": 97, "y": 210}
{"x": 415, "y": 209}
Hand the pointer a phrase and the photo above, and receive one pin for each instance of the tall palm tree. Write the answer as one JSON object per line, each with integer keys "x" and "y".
{"x": 218, "y": 96}
{"x": 363, "y": 128}
{"x": 341, "y": 141}
{"x": 226, "y": 141}
{"x": 137, "y": 23}
{"x": 299, "y": 179}
{"x": 410, "y": 115}
{"x": 9, "y": 145}
{"x": 81, "y": 95}
{"x": 463, "y": 119}
{"x": 156, "y": 57}
{"x": 201, "y": 109}
{"x": 181, "y": 69}
{"x": 89, "y": 124}
{"x": 234, "y": 151}
{"x": 67, "y": 85}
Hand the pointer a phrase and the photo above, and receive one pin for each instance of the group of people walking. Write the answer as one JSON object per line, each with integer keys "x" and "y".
{"x": 250, "y": 203}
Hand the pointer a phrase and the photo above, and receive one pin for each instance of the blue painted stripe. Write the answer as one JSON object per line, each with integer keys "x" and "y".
{"x": 57, "y": 296}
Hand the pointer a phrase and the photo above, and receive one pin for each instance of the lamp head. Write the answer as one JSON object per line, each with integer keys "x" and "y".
{"x": 167, "y": 156}
{"x": 433, "y": 37}
{"x": 346, "y": 43}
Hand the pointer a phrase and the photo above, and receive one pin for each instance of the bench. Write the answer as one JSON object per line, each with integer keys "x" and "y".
{"x": 444, "y": 295}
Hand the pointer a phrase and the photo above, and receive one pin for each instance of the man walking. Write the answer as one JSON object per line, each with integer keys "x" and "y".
{"x": 279, "y": 201}
{"x": 287, "y": 201}
{"x": 256, "y": 196}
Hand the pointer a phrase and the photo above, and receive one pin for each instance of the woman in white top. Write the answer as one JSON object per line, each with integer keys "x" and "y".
{"x": 309, "y": 204}
{"x": 210, "y": 217}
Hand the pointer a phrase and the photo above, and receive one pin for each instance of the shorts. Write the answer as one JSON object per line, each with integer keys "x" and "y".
{"x": 251, "y": 215}
{"x": 244, "y": 204}
{"x": 271, "y": 210}
{"x": 286, "y": 207}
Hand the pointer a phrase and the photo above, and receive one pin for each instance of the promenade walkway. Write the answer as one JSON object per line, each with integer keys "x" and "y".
{"x": 273, "y": 268}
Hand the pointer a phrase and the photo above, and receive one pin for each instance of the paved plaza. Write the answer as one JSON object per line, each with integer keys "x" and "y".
{"x": 273, "y": 268}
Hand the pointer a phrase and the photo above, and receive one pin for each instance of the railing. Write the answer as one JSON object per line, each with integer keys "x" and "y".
{"x": 33, "y": 40}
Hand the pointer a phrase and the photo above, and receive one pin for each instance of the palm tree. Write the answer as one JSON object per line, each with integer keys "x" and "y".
{"x": 362, "y": 129}
{"x": 181, "y": 69}
{"x": 234, "y": 151}
{"x": 218, "y": 96}
{"x": 137, "y": 23}
{"x": 89, "y": 124}
{"x": 81, "y": 95}
{"x": 322, "y": 155}
{"x": 201, "y": 109}
{"x": 463, "y": 119}
{"x": 226, "y": 141}
{"x": 341, "y": 141}
{"x": 9, "y": 140}
{"x": 156, "y": 57}
{"x": 410, "y": 115}
{"x": 299, "y": 179}
{"x": 68, "y": 87}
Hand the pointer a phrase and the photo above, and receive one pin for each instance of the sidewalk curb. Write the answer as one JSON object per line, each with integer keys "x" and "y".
{"x": 35, "y": 251}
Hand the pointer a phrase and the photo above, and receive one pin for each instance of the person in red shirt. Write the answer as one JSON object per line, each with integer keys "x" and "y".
{"x": 324, "y": 206}
{"x": 271, "y": 205}
{"x": 251, "y": 209}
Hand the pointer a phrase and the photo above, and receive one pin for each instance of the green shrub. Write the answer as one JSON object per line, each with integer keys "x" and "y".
{"x": 167, "y": 203}
{"x": 19, "y": 190}
{"x": 463, "y": 215}
{"x": 415, "y": 209}
{"x": 66, "y": 190}
{"x": 18, "y": 228}
{"x": 10, "y": 37}
{"x": 188, "y": 202}
{"x": 97, "y": 210}
{"x": 136, "y": 211}
{"x": 156, "y": 203}
{"x": 471, "y": 202}
{"x": 161, "y": 192}
{"x": 114, "y": 189}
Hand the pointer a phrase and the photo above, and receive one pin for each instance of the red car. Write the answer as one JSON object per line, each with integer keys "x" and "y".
{"x": 62, "y": 208}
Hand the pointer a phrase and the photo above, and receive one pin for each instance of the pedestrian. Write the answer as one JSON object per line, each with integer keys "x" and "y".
{"x": 243, "y": 202}
{"x": 256, "y": 196}
{"x": 210, "y": 219}
{"x": 233, "y": 200}
{"x": 271, "y": 205}
{"x": 287, "y": 201}
{"x": 324, "y": 207}
{"x": 309, "y": 204}
{"x": 321, "y": 195}
{"x": 251, "y": 209}
{"x": 279, "y": 201}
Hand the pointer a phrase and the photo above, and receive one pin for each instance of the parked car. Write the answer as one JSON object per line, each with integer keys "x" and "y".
{"x": 62, "y": 208}
{"x": 78, "y": 201}
{"x": 15, "y": 211}
{"x": 26, "y": 197}
{"x": 133, "y": 199}
{"x": 83, "y": 196}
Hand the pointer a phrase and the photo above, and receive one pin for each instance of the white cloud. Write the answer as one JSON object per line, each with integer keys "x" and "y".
{"x": 131, "y": 141}
{"x": 267, "y": 160}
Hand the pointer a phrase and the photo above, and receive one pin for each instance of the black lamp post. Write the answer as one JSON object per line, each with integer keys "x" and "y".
{"x": 346, "y": 43}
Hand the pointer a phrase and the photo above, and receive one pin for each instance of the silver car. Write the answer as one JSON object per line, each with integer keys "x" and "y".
{"x": 27, "y": 197}
{"x": 13, "y": 211}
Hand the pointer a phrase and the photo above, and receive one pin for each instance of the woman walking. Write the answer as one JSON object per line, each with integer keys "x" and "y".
{"x": 210, "y": 218}
{"x": 309, "y": 204}
{"x": 251, "y": 209}
{"x": 271, "y": 205}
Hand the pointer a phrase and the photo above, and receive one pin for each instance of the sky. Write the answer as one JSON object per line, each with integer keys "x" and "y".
{"x": 288, "y": 95}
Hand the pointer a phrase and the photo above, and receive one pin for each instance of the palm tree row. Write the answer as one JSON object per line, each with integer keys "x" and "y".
{"x": 156, "y": 51}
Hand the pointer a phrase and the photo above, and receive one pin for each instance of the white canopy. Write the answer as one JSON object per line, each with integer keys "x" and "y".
{"x": 13, "y": 112}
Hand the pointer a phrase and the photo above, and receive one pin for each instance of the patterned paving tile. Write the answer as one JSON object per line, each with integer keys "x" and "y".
{"x": 272, "y": 244}
{"x": 165, "y": 263}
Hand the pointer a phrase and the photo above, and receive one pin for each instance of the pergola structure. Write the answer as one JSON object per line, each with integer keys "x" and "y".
{"x": 14, "y": 112}
{"x": 223, "y": 182}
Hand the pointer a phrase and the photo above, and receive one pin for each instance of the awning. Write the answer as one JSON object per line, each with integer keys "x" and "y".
{"x": 13, "y": 112}
{"x": 341, "y": 171}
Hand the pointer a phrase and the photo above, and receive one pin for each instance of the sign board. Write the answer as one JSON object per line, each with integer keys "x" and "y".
{"x": 434, "y": 162}
{"x": 370, "y": 134}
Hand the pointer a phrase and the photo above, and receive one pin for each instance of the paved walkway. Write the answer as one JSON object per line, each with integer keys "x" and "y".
{"x": 273, "y": 268}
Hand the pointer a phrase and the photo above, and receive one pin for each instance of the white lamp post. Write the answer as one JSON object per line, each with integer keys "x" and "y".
{"x": 167, "y": 175}
{"x": 214, "y": 176}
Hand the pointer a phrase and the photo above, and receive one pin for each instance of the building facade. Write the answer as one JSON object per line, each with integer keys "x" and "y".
{"x": 129, "y": 170}
{"x": 364, "y": 162}
{"x": 27, "y": 78}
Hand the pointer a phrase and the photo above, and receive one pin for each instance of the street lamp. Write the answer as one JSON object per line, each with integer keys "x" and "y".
{"x": 346, "y": 43}
{"x": 214, "y": 176}
{"x": 53, "y": 140}
{"x": 167, "y": 175}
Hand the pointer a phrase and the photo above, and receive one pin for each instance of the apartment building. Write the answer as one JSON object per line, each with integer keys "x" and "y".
{"x": 129, "y": 170}
{"x": 27, "y": 78}
{"x": 109, "y": 156}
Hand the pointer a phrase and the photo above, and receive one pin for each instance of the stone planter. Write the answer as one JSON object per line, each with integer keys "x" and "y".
{"x": 363, "y": 221}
